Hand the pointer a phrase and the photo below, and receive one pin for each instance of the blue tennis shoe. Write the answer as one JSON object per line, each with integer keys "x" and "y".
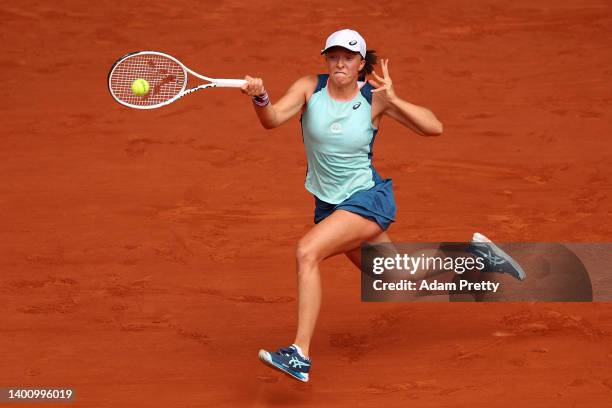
{"x": 494, "y": 258}
{"x": 289, "y": 361}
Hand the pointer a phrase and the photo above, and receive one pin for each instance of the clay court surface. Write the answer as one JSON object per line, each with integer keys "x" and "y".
{"x": 148, "y": 255}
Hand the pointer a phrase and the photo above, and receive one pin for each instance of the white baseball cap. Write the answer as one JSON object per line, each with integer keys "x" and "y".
{"x": 349, "y": 39}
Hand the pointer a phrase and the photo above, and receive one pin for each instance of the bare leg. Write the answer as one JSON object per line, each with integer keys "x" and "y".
{"x": 390, "y": 250}
{"x": 355, "y": 254}
{"x": 338, "y": 233}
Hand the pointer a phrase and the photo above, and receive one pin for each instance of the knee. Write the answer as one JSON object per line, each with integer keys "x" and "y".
{"x": 305, "y": 254}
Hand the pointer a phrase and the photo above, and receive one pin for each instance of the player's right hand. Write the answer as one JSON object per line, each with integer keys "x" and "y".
{"x": 253, "y": 86}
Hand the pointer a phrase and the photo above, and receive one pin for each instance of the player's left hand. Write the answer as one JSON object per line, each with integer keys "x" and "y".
{"x": 384, "y": 85}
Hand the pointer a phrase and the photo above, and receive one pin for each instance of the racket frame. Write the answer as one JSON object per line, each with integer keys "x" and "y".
{"x": 213, "y": 82}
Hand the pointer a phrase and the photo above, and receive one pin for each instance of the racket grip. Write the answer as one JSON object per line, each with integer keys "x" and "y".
{"x": 229, "y": 83}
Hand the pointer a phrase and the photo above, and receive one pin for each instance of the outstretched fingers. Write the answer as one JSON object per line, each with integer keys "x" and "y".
{"x": 385, "y": 67}
{"x": 378, "y": 77}
{"x": 374, "y": 83}
{"x": 383, "y": 83}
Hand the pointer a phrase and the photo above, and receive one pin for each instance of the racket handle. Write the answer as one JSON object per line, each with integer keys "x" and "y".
{"x": 229, "y": 83}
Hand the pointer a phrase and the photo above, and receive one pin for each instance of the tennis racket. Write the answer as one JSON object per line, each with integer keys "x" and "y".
{"x": 167, "y": 78}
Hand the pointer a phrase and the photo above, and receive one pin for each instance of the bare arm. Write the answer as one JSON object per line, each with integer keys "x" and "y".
{"x": 419, "y": 119}
{"x": 274, "y": 115}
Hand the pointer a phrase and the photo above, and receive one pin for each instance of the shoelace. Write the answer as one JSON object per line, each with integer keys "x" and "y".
{"x": 291, "y": 351}
{"x": 286, "y": 351}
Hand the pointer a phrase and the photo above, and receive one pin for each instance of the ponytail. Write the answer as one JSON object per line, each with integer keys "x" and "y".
{"x": 370, "y": 60}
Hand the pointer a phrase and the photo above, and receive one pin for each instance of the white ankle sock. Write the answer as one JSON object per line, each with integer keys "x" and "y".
{"x": 299, "y": 350}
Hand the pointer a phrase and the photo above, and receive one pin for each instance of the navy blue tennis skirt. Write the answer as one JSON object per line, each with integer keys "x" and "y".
{"x": 376, "y": 204}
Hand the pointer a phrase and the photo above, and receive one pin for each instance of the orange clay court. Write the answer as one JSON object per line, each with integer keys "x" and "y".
{"x": 147, "y": 255}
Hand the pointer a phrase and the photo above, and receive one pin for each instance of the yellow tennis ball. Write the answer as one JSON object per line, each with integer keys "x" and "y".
{"x": 140, "y": 87}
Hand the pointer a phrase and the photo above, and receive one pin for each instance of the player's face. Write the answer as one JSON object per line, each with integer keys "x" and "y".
{"x": 343, "y": 65}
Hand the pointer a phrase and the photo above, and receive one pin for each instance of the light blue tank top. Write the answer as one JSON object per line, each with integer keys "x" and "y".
{"x": 338, "y": 137}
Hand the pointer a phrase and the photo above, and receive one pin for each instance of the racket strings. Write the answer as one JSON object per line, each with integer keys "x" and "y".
{"x": 165, "y": 76}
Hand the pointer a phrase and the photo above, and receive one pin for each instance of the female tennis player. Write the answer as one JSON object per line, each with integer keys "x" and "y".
{"x": 353, "y": 204}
